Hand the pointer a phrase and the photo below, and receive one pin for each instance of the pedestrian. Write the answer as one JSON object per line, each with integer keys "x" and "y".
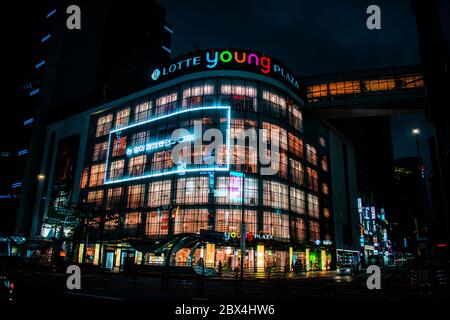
{"x": 220, "y": 268}
{"x": 296, "y": 267}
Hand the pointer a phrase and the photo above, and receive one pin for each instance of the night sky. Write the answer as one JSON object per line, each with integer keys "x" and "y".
{"x": 311, "y": 37}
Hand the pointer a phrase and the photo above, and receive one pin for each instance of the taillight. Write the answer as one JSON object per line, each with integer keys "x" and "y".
{"x": 11, "y": 285}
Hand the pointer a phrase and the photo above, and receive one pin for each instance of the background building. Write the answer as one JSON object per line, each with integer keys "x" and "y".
{"x": 73, "y": 70}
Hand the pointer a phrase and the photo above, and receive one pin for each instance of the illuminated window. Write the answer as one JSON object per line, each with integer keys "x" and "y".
{"x": 114, "y": 199}
{"x": 159, "y": 193}
{"x": 313, "y": 205}
{"x": 97, "y": 175}
{"x": 133, "y": 219}
{"x": 313, "y": 179}
{"x": 139, "y": 138}
{"x": 279, "y": 160}
{"x": 297, "y": 172}
{"x": 166, "y": 103}
{"x": 326, "y": 213}
{"x": 100, "y": 150}
{"x": 324, "y": 163}
{"x": 345, "y": 87}
{"x": 297, "y": 200}
{"x": 317, "y": 91}
{"x": 314, "y": 231}
{"x": 136, "y": 165}
{"x": 112, "y": 222}
{"x": 192, "y": 190}
{"x": 103, "y": 125}
{"x": 161, "y": 161}
{"x": 276, "y": 224}
{"x": 244, "y": 154}
{"x": 193, "y": 96}
{"x": 243, "y": 97}
{"x": 273, "y": 134}
{"x": 191, "y": 220}
{"x": 325, "y": 190}
{"x": 296, "y": 118}
{"x": 295, "y": 145}
{"x": 299, "y": 229}
{"x": 274, "y": 98}
{"x": 239, "y": 90}
{"x": 84, "y": 178}
{"x": 224, "y": 195}
{"x": 142, "y": 111}
{"x": 229, "y": 220}
{"x": 95, "y": 197}
{"x": 136, "y": 196}
{"x": 251, "y": 192}
{"x": 157, "y": 224}
{"x": 122, "y": 118}
{"x": 119, "y": 146}
{"x": 116, "y": 169}
{"x": 411, "y": 82}
{"x": 275, "y": 195}
{"x": 311, "y": 154}
{"x": 379, "y": 84}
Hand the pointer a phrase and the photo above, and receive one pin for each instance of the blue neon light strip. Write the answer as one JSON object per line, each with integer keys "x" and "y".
{"x": 32, "y": 93}
{"x": 46, "y": 38}
{"x": 168, "y": 29}
{"x": 51, "y": 13}
{"x": 40, "y": 64}
{"x": 16, "y": 185}
{"x": 22, "y": 152}
{"x": 28, "y": 121}
{"x": 204, "y": 169}
{"x": 171, "y": 115}
{"x": 167, "y": 49}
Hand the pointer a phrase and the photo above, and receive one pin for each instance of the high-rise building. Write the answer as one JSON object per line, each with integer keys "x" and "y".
{"x": 109, "y": 56}
{"x": 435, "y": 61}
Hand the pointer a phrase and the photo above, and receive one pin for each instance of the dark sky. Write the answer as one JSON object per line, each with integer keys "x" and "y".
{"x": 311, "y": 37}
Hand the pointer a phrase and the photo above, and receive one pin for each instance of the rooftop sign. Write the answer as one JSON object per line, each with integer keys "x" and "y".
{"x": 226, "y": 59}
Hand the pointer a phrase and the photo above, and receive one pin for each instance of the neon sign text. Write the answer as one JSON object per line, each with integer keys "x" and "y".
{"x": 152, "y": 146}
{"x": 213, "y": 59}
{"x": 250, "y": 236}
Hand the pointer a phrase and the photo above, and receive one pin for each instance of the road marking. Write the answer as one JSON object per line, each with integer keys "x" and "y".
{"x": 94, "y": 296}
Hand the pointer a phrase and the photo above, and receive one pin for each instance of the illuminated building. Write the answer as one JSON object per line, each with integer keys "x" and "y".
{"x": 375, "y": 245}
{"x": 359, "y": 105}
{"x": 136, "y": 195}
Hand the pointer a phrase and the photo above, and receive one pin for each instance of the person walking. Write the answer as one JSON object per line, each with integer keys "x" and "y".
{"x": 220, "y": 268}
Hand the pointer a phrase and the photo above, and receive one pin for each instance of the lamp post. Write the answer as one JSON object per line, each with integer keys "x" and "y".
{"x": 416, "y": 132}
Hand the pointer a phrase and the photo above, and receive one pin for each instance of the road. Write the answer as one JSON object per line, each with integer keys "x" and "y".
{"x": 395, "y": 286}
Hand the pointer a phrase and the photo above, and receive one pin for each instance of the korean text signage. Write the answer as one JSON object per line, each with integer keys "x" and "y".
{"x": 226, "y": 59}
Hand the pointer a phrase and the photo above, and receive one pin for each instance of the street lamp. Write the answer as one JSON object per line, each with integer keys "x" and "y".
{"x": 41, "y": 177}
{"x": 416, "y": 132}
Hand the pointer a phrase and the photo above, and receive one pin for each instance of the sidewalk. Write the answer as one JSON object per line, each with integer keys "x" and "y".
{"x": 276, "y": 275}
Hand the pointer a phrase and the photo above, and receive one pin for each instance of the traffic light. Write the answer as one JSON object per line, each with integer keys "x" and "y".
{"x": 210, "y": 218}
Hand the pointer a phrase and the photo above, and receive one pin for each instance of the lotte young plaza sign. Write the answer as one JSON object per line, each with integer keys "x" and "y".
{"x": 226, "y": 59}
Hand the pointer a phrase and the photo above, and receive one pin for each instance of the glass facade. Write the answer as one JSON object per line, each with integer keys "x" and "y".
{"x": 128, "y": 172}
